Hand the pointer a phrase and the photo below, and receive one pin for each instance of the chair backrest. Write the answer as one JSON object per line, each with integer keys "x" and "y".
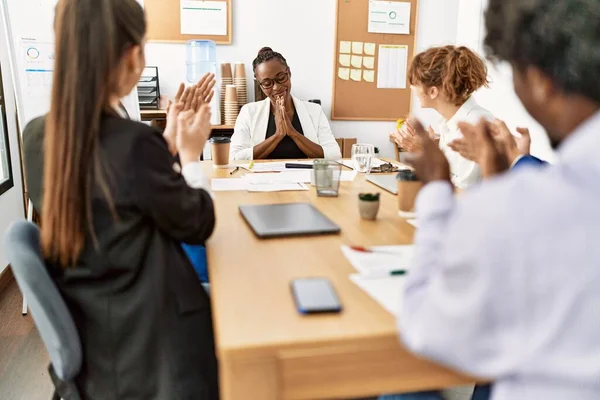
{"x": 49, "y": 311}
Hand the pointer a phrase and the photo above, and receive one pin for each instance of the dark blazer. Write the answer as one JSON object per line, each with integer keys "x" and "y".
{"x": 143, "y": 316}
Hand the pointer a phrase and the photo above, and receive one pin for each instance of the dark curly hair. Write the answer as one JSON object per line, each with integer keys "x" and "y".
{"x": 559, "y": 37}
{"x": 267, "y": 54}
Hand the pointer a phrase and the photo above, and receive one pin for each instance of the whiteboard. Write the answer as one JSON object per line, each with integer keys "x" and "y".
{"x": 30, "y": 35}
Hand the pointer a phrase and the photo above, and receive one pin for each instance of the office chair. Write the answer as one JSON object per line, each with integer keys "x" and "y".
{"x": 48, "y": 309}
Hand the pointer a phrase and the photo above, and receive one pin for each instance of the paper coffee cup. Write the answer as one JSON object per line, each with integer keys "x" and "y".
{"x": 240, "y": 70}
{"x": 230, "y": 94}
{"x": 408, "y": 189}
{"x": 220, "y": 151}
{"x": 226, "y": 71}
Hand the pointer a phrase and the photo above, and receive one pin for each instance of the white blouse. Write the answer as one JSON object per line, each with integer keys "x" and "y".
{"x": 464, "y": 173}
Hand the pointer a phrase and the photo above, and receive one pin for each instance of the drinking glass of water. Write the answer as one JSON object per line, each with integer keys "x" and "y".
{"x": 362, "y": 157}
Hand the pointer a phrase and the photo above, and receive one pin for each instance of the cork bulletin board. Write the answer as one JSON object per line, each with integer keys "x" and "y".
{"x": 165, "y": 24}
{"x": 370, "y": 80}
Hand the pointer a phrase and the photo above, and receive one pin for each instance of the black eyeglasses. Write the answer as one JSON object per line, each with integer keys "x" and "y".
{"x": 280, "y": 79}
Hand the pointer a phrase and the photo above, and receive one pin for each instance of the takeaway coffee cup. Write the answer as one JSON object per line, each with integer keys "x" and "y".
{"x": 408, "y": 189}
{"x": 220, "y": 151}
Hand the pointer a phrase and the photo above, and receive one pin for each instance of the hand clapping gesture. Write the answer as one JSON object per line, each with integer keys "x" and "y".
{"x": 187, "y": 99}
{"x": 494, "y": 159}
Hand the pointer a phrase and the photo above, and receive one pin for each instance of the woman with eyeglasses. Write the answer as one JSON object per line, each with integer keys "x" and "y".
{"x": 281, "y": 126}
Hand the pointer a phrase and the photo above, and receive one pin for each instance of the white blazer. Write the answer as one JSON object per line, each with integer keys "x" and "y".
{"x": 253, "y": 120}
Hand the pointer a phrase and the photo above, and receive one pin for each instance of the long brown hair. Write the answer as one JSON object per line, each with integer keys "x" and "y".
{"x": 456, "y": 71}
{"x": 91, "y": 37}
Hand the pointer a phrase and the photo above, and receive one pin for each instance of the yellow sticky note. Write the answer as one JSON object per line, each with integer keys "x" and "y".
{"x": 344, "y": 74}
{"x": 356, "y": 75}
{"x": 370, "y": 49}
{"x": 345, "y": 47}
{"x": 369, "y": 62}
{"x": 345, "y": 60}
{"x": 356, "y": 61}
{"x": 369, "y": 76}
{"x": 357, "y": 47}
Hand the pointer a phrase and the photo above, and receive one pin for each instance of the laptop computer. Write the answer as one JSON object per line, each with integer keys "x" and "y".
{"x": 279, "y": 220}
{"x": 386, "y": 182}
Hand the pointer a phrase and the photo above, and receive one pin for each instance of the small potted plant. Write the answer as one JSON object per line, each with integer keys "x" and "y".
{"x": 368, "y": 205}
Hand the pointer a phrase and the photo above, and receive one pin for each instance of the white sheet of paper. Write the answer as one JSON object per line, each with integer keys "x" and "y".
{"x": 356, "y": 75}
{"x": 381, "y": 261}
{"x": 344, "y": 74}
{"x": 345, "y": 47}
{"x": 369, "y": 76}
{"x": 389, "y": 17}
{"x": 370, "y": 49}
{"x": 392, "y": 65}
{"x": 369, "y": 62}
{"x": 272, "y": 166}
{"x": 264, "y": 167}
{"x": 277, "y": 187}
{"x": 345, "y": 60}
{"x": 357, "y": 48}
{"x": 356, "y": 61}
{"x": 199, "y": 17}
{"x": 291, "y": 176}
{"x": 228, "y": 185}
{"x": 385, "y": 291}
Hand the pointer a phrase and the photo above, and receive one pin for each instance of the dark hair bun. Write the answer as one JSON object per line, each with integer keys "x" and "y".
{"x": 265, "y": 50}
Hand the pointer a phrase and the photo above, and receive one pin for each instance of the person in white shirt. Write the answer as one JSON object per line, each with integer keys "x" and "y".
{"x": 505, "y": 283}
{"x": 281, "y": 126}
{"x": 444, "y": 79}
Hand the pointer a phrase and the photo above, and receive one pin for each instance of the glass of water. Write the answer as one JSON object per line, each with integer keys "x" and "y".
{"x": 326, "y": 176}
{"x": 362, "y": 157}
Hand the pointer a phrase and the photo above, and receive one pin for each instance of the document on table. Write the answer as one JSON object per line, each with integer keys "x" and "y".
{"x": 381, "y": 261}
{"x": 392, "y": 66}
{"x": 385, "y": 291}
{"x": 199, "y": 17}
{"x": 241, "y": 185}
{"x": 228, "y": 185}
{"x": 292, "y": 176}
{"x": 285, "y": 176}
{"x": 272, "y": 166}
{"x": 277, "y": 187}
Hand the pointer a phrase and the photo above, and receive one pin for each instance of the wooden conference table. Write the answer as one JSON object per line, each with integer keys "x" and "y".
{"x": 266, "y": 350}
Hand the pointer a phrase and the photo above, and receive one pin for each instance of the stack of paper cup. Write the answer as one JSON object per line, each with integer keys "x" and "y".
{"x": 226, "y": 79}
{"x": 231, "y": 105}
{"x": 241, "y": 84}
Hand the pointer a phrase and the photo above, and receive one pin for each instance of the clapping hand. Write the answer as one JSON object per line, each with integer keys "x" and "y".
{"x": 406, "y": 137}
{"x": 491, "y": 154}
{"x": 472, "y": 146}
{"x": 193, "y": 131}
{"x": 429, "y": 162}
{"x": 190, "y": 98}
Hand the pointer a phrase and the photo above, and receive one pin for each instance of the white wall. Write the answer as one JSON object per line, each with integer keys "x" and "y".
{"x": 11, "y": 202}
{"x": 500, "y": 98}
{"x": 304, "y": 32}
